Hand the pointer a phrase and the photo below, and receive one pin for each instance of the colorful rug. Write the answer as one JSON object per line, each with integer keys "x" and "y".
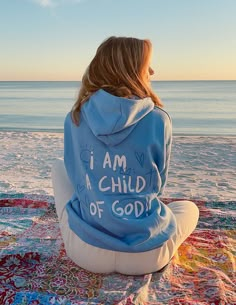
{"x": 34, "y": 268}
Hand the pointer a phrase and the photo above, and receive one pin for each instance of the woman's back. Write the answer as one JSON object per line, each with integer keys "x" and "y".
{"x": 121, "y": 150}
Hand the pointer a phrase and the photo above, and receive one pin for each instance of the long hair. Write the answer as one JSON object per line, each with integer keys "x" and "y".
{"x": 120, "y": 67}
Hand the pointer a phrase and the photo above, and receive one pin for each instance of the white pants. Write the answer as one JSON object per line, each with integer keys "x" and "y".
{"x": 100, "y": 260}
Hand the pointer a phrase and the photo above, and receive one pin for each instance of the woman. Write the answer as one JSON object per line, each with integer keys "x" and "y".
{"x": 117, "y": 142}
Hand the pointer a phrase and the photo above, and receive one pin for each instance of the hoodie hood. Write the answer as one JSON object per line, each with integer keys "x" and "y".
{"x": 112, "y": 118}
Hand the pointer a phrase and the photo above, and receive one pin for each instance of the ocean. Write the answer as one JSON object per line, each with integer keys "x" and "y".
{"x": 196, "y": 107}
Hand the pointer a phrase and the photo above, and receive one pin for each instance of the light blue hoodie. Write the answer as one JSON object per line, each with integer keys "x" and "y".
{"x": 117, "y": 160}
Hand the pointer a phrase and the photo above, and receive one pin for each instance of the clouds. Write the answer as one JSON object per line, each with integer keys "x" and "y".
{"x": 53, "y": 3}
{"x": 45, "y": 3}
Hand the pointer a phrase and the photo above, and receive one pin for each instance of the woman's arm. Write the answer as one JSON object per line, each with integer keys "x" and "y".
{"x": 166, "y": 153}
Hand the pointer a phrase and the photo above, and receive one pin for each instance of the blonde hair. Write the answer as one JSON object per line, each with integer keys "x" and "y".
{"x": 119, "y": 67}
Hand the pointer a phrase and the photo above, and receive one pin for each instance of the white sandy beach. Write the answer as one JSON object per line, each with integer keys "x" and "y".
{"x": 201, "y": 167}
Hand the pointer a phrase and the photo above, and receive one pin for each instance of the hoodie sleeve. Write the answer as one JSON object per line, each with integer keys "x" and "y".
{"x": 167, "y": 151}
{"x": 69, "y": 156}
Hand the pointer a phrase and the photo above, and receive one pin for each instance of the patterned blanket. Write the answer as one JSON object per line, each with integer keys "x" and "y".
{"x": 34, "y": 268}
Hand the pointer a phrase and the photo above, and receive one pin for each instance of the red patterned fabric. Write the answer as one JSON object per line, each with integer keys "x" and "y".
{"x": 34, "y": 268}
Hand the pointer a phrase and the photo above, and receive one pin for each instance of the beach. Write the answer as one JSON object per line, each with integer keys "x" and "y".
{"x": 201, "y": 167}
{"x": 203, "y": 159}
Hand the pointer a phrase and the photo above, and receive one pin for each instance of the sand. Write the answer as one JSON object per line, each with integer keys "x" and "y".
{"x": 201, "y": 167}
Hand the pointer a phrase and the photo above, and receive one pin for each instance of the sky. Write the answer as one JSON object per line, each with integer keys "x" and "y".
{"x": 57, "y": 39}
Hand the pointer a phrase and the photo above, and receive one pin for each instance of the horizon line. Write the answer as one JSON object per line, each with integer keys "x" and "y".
{"x": 155, "y": 80}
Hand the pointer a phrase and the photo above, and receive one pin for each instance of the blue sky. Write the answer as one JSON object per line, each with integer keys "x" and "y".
{"x": 56, "y": 39}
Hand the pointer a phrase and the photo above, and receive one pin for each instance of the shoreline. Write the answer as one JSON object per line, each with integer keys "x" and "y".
{"x": 61, "y": 131}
